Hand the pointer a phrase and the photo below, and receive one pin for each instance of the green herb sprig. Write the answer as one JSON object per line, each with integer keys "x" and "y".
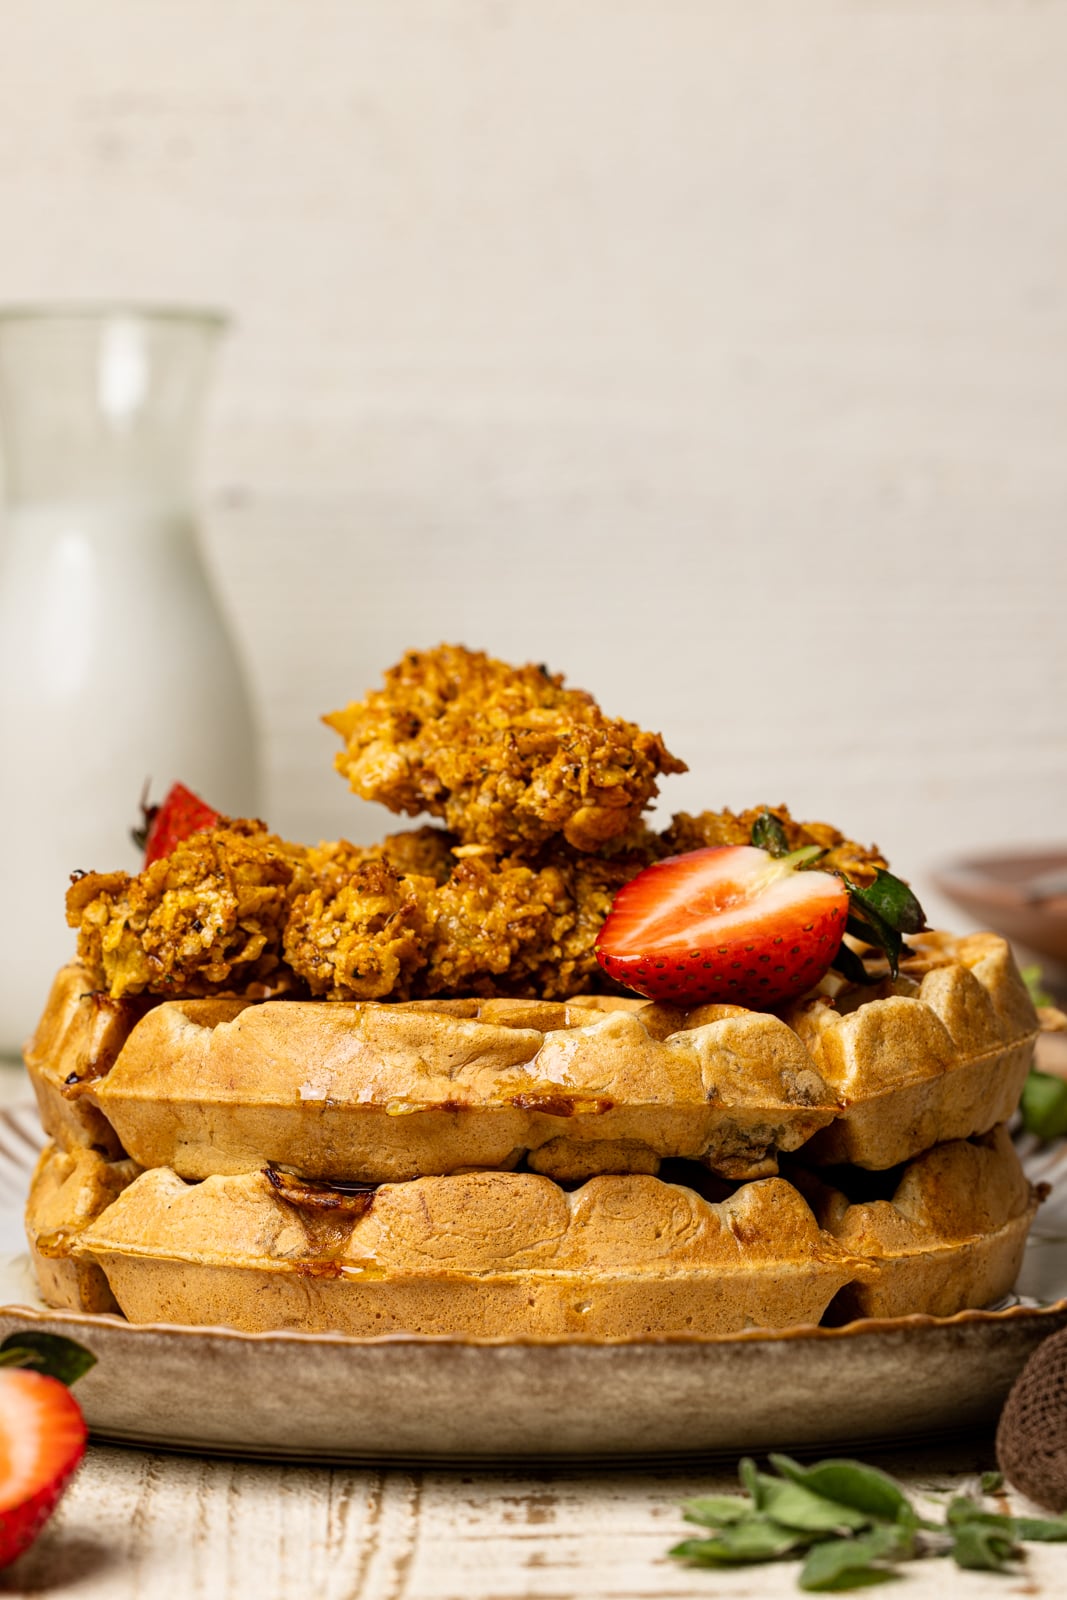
{"x": 851, "y": 1524}
{"x": 879, "y": 913}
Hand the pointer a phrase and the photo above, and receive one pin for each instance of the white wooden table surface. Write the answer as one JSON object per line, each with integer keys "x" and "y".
{"x": 139, "y": 1526}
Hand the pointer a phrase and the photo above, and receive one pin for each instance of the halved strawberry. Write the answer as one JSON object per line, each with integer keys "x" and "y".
{"x": 181, "y": 813}
{"x": 42, "y": 1440}
{"x": 733, "y": 924}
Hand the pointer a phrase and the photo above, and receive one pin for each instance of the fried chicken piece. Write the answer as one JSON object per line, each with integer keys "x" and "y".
{"x": 506, "y": 755}
{"x": 418, "y": 852}
{"x": 423, "y": 852}
{"x": 725, "y": 827}
{"x": 489, "y": 916}
{"x": 208, "y": 917}
{"x": 361, "y": 935}
{"x": 497, "y": 925}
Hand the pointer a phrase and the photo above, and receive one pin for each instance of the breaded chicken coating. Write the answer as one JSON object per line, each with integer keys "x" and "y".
{"x": 496, "y": 926}
{"x": 727, "y": 827}
{"x": 363, "y": 936}
{"x": 489, "y": 916}
{"x": 505, "y": 755}
{"x": 207, "y": 918}
{"x": 422, "y": 852}
{"x": 418, "y": 915}
{"x": 425, "y": 852}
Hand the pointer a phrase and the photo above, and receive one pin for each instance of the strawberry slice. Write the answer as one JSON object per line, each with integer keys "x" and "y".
{"x": 733, "y": 924}
{"x": 166, "y": 825}
{"x": 42, "y": 1440}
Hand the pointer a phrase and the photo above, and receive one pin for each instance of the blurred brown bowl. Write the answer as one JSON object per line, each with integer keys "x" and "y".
{"x": 1020, "y": 894}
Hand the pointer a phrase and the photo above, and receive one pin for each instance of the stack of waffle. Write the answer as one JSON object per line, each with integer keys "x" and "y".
{"x": 600, "y": 1168}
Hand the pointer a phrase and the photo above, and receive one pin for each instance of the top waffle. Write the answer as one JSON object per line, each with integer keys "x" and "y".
{"x": 385, "y": 1092}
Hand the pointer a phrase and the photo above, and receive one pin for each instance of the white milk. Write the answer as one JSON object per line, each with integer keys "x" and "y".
{"x": 115, "y": 667}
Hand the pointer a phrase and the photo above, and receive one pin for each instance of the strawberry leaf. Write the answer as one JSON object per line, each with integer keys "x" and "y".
{"x": 881, "y": 912}
{"x": 892, "y": 900}
{"x": 49, "y": 1353}
{"x": 148, "y": 816}
{"x": 851, "y": 966}
{"x": 868, "y": 926}
{"x": 769, "y": 834}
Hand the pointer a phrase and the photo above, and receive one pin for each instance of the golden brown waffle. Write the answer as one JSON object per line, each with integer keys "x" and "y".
{"x": 70, "y": 1189}
{"x": 950, "y": 1235}
{"x": 491, "y": 1254}
{"x": 389, "y": 1092}
{"x": 939, "y": 1054}
{"x": 513, "y": 1255}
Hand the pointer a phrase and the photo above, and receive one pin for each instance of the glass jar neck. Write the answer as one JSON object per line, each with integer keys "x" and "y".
{"x": 102, "y": 407}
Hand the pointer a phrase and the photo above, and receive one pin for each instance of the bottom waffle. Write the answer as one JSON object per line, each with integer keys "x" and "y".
{"x": 514, "y": 1255}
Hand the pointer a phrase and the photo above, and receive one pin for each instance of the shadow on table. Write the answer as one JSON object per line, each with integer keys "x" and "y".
{"x": 58, "y": 1559}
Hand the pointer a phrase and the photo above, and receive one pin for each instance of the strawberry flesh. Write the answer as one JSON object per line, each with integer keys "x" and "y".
{"x": 731, "y": 924}
{"x": 42, "y": 1440}
{"x": 181, "y": 813}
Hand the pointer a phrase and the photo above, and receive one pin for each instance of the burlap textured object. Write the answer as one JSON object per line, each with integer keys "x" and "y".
{"x": 1032, "y": 1435}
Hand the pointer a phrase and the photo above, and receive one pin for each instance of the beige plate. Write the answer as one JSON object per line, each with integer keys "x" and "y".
{"x": 330, "y": 1398}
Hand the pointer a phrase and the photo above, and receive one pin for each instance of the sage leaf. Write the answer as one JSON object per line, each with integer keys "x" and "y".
{"x": 963, "y": 1511}
{"x": 850, "y": 1483}
{"x": 1044, "y": 1105}
{"x": 1044, "y": 1530}
{"x": 758, "y": 1538}
{"x": 769, "y": 834}
{"x": 717, "y": 1510}
{"x": 849, "y": 1563}
{"x": 991, "y": 1482}
{"x": 982, "y": 1549}
{"x": 751, "y": 1480}
{"x": 49, "y": 1353}
{"x": 795, "y": 1506}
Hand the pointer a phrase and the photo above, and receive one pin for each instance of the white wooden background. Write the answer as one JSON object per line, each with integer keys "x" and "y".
{"x": 714, "y": 351}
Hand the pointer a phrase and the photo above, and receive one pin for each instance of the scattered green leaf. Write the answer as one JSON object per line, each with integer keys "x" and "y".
{"x": 850, "y": 1563}
{"x": 756, "y": 1539}
{"x": 1042, "y": 1530}
{"x": 1044, "y": 1105}
{"x": 1034, "y": 979}
{"x": 962, "y": 1509}
{"x": 851, "y": 1524}
{"x": 852, "y": 1484}
{"x": 981, "y": 1548}
{"x": 49, "y": 1353}
{"x": 716, "y": 1510}
{"x": 795, "y": 1506}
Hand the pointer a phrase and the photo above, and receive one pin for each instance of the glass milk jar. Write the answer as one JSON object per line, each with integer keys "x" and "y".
{"x": 115, "y": 664}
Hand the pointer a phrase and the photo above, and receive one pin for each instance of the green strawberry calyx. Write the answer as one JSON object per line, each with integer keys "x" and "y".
{"x": 880, "y": 914}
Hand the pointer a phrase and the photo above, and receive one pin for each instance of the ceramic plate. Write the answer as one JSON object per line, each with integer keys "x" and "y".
{"x": 330, "y": 1398}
